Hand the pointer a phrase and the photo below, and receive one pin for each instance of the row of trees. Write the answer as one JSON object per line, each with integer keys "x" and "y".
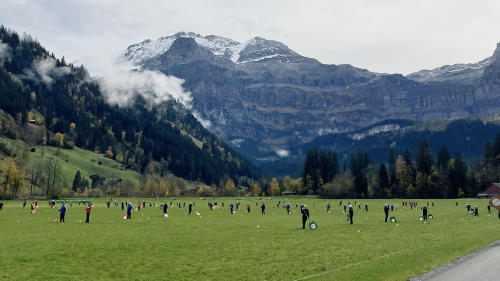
{"x": 405, "y": 177}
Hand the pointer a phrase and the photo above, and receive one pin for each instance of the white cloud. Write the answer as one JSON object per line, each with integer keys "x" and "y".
{"x": 122, "y": 86}
{"x": 205, "y": 123}
{"x": 237, "y": 142}
{"x": 282, "y": 152}
{"x": 44, "y": 71}
{"x": 4, "y": 52}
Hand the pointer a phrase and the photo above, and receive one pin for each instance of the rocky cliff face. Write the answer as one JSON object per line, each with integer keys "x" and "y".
{"x": 261, "y": 96}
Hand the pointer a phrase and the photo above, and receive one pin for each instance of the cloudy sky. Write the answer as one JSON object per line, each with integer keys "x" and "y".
{"x": 390, "y": 36}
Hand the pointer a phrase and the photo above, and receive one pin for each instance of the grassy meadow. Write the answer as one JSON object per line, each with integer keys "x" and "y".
{"x": 246, "y": 246}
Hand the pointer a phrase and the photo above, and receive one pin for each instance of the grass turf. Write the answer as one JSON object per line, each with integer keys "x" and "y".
{"x": 221, "y": 246}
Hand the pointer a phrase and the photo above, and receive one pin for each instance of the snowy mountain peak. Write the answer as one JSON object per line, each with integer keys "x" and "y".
{"x": 253, "y": 50}
{"x": 148, "y": 49}
{"x": 457, "y": 72}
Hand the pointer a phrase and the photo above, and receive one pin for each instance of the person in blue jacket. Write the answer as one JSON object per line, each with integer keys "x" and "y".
{"x": 232, "y": 206}
{"x": 24, "y": 204}
{"x": 327, "y": 207}
{"x": 129, "y": 211}
{"x": 63, "y": 210}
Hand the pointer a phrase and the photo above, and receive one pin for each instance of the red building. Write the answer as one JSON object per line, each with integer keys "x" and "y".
{"x": 493, "y": 190}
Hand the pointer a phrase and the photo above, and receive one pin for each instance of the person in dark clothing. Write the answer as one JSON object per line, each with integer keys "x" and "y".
{"x": 366, "y": 207}
{"x": 345, "y": 208}
{"x": 263, "y": 207}
{"x": 210, "y": 205}
{"x": 1, "y": 205}
{"x": 351, "y": 213}
{"x": 424, "y": 213}
{"x": 62, "y": 210}
{"x": 468, "y": 207}
{"x": 386, "y": 211}
{"x": 489, "y": 209}
{"x": 305, "y": 216}
{"x": 476, "y": 213}
{"x": 129, "y": 211}
{"x": 232, "y": 207}
{"x": 123, "y": 206}
{"x": 248, "y": 207}
{"x": 165, "y": 208}
{"x": 190, "y": 207}
{"x": 340, "y": 204}
{"x": 89, "y": 208}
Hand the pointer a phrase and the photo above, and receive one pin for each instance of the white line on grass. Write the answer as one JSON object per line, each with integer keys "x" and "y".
{"x": 390, "y": 254}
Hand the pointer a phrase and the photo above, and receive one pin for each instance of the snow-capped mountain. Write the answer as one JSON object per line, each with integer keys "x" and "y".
{"x": 255, "y": 49}
{"x": 463, "y": 72}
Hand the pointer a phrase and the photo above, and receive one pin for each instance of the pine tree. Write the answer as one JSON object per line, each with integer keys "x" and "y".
{"x": 77, "y": 182}
{"x": 391, "y": 162}
{"x": 383, "y": 177}
{"x": 443, "y": 157}
{"x": 425, "y": 159}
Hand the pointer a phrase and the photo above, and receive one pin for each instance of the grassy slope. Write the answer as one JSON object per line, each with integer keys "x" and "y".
{"x": 197, "y": 142}
{"x": 80, "y": 160}
{"x": 220, "y": 246}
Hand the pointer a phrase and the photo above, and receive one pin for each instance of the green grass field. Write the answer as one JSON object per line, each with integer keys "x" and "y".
{"x": 221, "y": 246}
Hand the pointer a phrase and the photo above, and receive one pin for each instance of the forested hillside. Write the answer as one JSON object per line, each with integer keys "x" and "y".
{"x": 46, "y": 101}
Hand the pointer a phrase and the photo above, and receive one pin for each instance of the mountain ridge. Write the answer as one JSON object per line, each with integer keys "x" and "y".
{"x": 272, "y": 98}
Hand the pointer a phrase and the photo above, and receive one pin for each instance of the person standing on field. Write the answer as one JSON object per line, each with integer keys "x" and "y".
{"x": 424, "y": 213}
{"x": 1, "y": 205}
{"x": 190, "y": 207}
{"x": 351, "y": 213}
{"x": 123, "y": 206}
{"x": 139, "y": 206}
{"x": 232, "y": 207}
{"x": 489, "y": 209}
{"x": 129, "y": 211}
{"x": 386, "y": 211}
{"x": 62, "y": 210}
{"x": 366, "y": 207}
{"x": 328, "y": 208}
{"x": 248, "y": 207}
{"x": 89, "y": 208}
{"x": 305, "y": 216}
{"x": 263, "y": 208}
{"x": 165, "y": 207}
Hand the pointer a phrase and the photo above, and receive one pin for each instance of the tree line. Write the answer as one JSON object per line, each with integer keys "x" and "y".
{"x": 401, "y": 176}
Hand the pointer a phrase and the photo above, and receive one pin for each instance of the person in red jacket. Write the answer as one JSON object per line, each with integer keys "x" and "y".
{"x": 139, "y": 206}
{"x": 89, "y": 208}
{"x": 248, "y": 207}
